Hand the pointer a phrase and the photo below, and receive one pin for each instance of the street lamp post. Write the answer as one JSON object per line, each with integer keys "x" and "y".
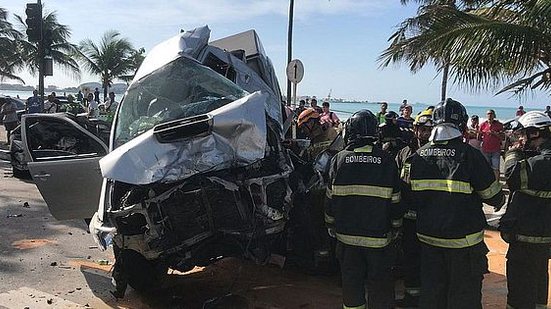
{"x": 290, "y": 47}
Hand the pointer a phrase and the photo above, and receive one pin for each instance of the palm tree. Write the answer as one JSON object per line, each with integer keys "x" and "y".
{"x": 62, "y": 51}
{"x": 403, "y": 47}
{"x": 8, "y": 45}
{"x": 112, "y": 58}
{"x": 136, "y": 58}
{"x": 493, "y": 43}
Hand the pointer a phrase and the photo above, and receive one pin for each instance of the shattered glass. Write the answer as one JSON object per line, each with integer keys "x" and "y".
{"x": 180, "y": 89}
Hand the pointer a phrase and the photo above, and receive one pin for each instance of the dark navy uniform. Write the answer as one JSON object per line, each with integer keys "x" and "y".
{"x": 526, "y": 226}
{"x": 448, "y": 182}
{"x": 363, "y": 208}
{"x": 411, "y": 247}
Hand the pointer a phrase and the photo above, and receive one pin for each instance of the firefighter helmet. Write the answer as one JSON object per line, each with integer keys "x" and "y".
{"x": 534, "y": 119}
{"x": 424, "y": 119}
{"x": 452, "y": 112}
{"x": 362, "y": 124}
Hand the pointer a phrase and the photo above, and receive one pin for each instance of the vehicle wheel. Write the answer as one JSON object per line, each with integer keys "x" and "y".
{"x": 17, "y": 173}
{"x": 143, "y": 276}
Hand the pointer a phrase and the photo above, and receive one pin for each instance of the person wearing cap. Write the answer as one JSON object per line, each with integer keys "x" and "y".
{"x": 410, "y": 245}
{"x": 525, "y": 224}
{"x": 447, "y": 181}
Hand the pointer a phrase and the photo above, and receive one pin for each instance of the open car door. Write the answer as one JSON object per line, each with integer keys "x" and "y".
{"x": 63, "y": 162}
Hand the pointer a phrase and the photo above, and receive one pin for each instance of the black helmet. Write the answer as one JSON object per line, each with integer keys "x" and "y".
{"x": 451, "y": 111}
{"x": 391, "y": 115}
{"x": 362, "y": 124}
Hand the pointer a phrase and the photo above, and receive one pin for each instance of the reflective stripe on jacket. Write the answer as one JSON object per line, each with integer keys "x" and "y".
{"x": 447, "y": 184}
{"x": 363, "y": 196}
{"x": 529, "y": 210}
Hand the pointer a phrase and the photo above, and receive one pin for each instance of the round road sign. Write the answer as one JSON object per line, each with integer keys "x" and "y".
{"x": 295, "y": 71}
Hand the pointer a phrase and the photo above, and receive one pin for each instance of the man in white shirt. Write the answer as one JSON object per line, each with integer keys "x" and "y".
{"x": 92, "y": 106}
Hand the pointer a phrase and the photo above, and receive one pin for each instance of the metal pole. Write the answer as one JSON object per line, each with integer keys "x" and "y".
{"x": 290, "y": 47}
{"x": 41, "y": 56}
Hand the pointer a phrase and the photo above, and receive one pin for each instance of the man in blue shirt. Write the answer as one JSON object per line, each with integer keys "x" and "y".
{"x": 405, "y": 123}
{"x": 34, "y": 104}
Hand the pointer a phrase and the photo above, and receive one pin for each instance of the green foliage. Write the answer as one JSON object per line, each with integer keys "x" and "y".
{"x": 62, "y": 50}
{"x": 113, "y": 57}
{"x": 487, "y": 44}
{"x": 9, "y": 54}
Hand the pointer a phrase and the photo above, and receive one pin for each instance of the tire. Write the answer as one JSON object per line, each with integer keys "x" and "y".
{"x": 21, "y": 174}
{"x": 143, "y": 276}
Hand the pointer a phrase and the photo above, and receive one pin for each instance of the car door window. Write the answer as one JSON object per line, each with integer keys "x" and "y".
{"x": 55, "y": 139}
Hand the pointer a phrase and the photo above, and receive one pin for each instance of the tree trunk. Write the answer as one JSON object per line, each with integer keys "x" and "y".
{"x": 445, "y": 72}
{"x": 105, "y": 85}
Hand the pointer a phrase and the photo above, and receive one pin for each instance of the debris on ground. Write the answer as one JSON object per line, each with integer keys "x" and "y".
{"x": 14, "y": 216}
{"x": 53, "y": 264}
{"x": 103, "y": 262}
{"x": 26, "y": 205}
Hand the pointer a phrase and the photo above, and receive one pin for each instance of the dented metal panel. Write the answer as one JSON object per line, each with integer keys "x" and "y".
{"x": 189, "y": 43}
{"x": 237, "y": 138}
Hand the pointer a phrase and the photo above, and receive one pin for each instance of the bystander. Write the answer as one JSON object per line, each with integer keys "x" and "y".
{"x": 492, "y": 131}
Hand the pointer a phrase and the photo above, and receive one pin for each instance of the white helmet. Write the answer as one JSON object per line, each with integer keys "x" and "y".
{"x": 534, "y": 119}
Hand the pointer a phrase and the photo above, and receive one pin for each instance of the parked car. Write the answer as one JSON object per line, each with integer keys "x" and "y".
{"x": 196, "y": 167}
{"x": 18, "y": 102}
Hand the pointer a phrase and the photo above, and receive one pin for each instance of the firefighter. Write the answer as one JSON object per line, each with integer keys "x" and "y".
{"x": 448, "y": 180}
{"x": 390, "y": 135}
{"x": 320, "y": 137}
{"x": 411, "y": 248}
{"x": 525, "y": 224}
{"x": 362, "y": 212}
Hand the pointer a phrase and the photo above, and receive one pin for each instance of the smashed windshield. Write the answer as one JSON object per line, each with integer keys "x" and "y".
{"x": 180, "y": 89}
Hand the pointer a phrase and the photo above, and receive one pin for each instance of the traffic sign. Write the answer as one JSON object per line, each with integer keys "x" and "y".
{"x": 295, "y": 71}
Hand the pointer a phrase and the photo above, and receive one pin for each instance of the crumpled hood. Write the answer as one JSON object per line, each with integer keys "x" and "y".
{"x": 237, "y": 138}
{"x": 444, "y": 132}
{"x": 189, "y": 43}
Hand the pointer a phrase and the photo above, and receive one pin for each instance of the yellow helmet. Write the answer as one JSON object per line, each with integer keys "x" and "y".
{"x": 424, "y": 118}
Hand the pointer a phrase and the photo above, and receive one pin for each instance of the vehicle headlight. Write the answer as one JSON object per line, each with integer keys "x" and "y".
{"x": 103, "y": 235}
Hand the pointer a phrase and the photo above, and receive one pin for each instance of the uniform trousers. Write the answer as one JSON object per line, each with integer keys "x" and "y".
{"x": 452, "y": 278}
{"x": 527, "y": 275}
{"x": 360, "y": 264}
{"x": 411, "y": 248}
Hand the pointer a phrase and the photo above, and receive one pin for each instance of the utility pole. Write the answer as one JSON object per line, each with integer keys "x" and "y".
{"x": 41, "y": 55}
{"x": 290, "y": 47}
{"x": 34, "y": 34}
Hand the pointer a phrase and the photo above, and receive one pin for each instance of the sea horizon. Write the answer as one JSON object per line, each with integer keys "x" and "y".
{"x": 347, "y": 108}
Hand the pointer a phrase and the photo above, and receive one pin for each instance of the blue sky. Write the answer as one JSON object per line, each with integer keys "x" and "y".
{"x": 337, "y": 40}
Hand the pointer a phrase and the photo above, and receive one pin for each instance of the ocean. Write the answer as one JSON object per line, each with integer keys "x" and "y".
{"x": 345, "y": 109}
